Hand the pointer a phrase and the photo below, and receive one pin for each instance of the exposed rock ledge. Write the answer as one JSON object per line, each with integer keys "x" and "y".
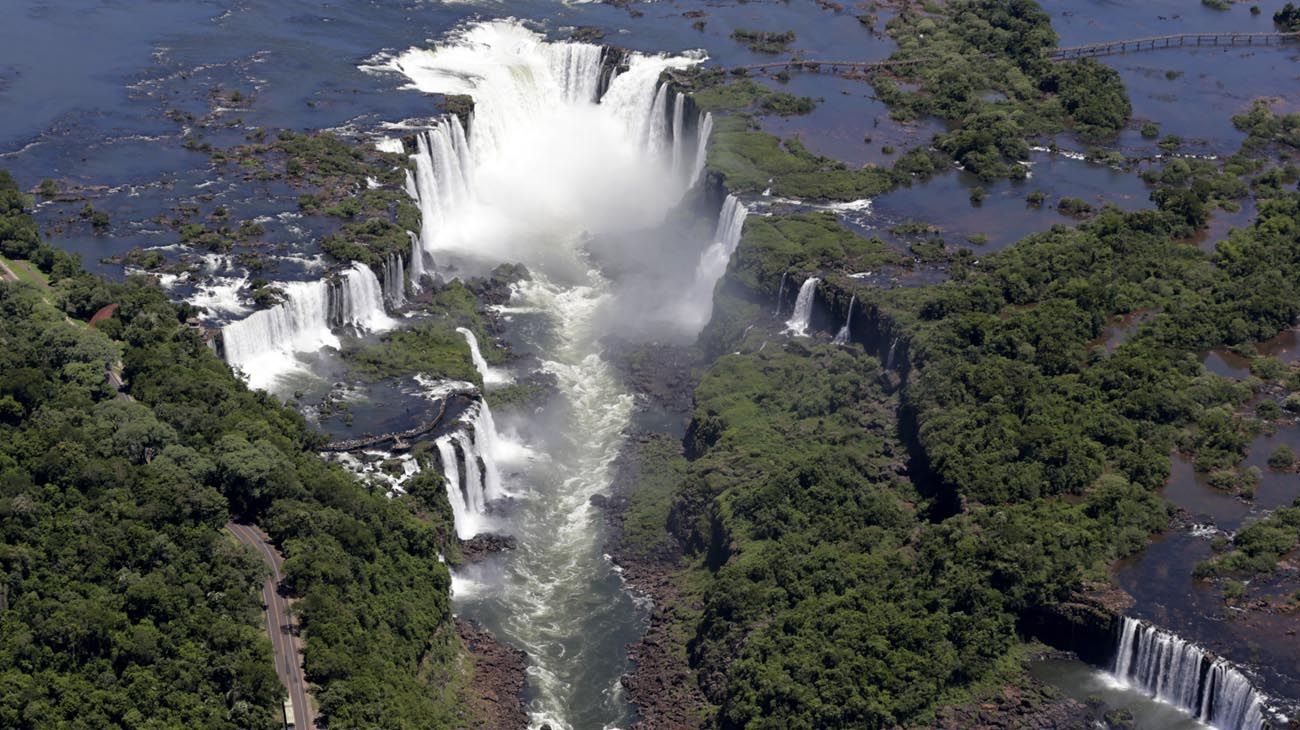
{"x": 496, "y": 686}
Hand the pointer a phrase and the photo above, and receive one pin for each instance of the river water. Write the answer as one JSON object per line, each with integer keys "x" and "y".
{"x": 580, "y": 194}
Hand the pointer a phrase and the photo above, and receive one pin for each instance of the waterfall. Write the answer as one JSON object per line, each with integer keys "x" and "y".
{"x": 519, "y": 82}
{"x": 465, "y": 520}
{"x": 657, "y": 130}
{"x": 485, "y": 443}
{"x": 490, "y": 374}
{"x": 577, "y": 68}
{"x": 842, "y": 337}
{"x": 1176, "y": 671}
{"x": 417, "y": 260}
{"x": 889, "y": 357}
{"x": 473, "y": 479}
{"x": 263, "y": 344}
{"x": 698, "y": 305}
{"x": 395, "y": 281}
{"x": 701, "y": 148}
{"x": 357, "y": 301}
{"x": 679, "y": 135}
{"x": 801, "y": 318}
{"x": 780, "y": 294}
{"x": 570, "y": 147}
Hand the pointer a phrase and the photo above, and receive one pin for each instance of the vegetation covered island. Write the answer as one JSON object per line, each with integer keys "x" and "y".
{"x": 691, "y": 365}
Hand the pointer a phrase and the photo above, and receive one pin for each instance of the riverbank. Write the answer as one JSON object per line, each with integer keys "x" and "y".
{"x": 495, "y": 694}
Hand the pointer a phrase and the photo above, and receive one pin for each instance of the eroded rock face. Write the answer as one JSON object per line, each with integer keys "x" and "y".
{"x": 1087, "y": 625}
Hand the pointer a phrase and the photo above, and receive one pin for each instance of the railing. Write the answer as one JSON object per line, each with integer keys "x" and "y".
{"x": 1176, "y": 40}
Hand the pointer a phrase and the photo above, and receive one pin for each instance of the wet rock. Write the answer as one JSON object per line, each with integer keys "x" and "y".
{"x": 486, "y": 543}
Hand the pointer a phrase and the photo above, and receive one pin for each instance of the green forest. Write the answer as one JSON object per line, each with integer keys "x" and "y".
{"x": 855, "y": 534}
{"x": 124, "y": 602}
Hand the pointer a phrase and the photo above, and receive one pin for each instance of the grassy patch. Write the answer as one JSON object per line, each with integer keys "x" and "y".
{"x": 804, "y": 242}
{"x": 661, "y": 470}
{"x": 751, "y": 161}
{"x": 434, "y": 348}
{"x": 25, "y": 271}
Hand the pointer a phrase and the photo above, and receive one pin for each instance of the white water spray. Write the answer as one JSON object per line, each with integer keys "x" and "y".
{"x": 264, "y": 344}
{"x": 1174, "y": 670}
{"x": 569, "y": 148}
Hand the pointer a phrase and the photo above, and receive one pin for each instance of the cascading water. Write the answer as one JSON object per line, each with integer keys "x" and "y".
{"x": 395, "y": 280}
{"x": 801, "y": 318}
{"x": 263, "y": 344}
{"x": 780, "y": 294}
{"x": 465, "y": 520}
{"x": 357, "y": 301}
{"x": 698, "y": 305}
{"x": 490, "y": 374}
{"x": 469, "y": 466}
{"x": 571, "y": 146}
{"x": 521, "y": 86}
{"x": 842, "y": 337}
{"x": 1183, "y": 674}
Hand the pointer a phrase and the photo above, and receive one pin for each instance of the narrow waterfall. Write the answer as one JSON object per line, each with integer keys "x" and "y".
{"x": 679, "y": 134}
{"x": 395, "y": 280}
{"x": 490, "y": 374}
{"x": 465, "y": 520}
{"x": 1183, "y": 674}
{"x": 889, "y": 357}
{"x": 698, "y": 305}
{"x": 263, "y": 344}
{"x": 702, "y": 147}
{"x": 485, "y": 445}
{"x": 417, "y": 261}
{"x": 842, "y": 337}
{"x": 801, "y": 318}
{"x": 780, "y": 294}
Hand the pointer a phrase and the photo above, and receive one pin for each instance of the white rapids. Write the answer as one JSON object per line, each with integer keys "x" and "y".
{"x": 571, "y": 153}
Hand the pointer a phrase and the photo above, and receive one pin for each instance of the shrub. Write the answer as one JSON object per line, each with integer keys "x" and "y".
{"x": 1282, "y": 458}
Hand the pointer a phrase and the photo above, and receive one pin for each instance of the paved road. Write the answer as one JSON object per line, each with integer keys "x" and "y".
{"x": 286, "y": 646}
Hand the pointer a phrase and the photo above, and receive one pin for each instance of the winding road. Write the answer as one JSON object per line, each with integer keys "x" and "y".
{"x": 284, "y": 643}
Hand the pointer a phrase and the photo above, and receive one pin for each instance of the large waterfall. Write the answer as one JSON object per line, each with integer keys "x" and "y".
{"x": 538, "y": 104}
{"x": 573, "y": 155}
{"x": 698, "y": 305}
{"x": 263, "y": 345}
{"x": 801, "y": 319}
{"x": 1183, "y": 674}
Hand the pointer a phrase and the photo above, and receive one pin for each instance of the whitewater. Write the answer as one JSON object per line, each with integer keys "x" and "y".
{"x": 571, "y": 153}
{"x": 575, "y": 161}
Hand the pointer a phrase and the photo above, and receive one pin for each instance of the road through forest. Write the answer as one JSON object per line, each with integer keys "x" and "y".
{"x": 286, "y": 646}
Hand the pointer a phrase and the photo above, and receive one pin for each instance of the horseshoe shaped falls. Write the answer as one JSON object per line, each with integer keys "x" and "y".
{"x": 670, "y": 365}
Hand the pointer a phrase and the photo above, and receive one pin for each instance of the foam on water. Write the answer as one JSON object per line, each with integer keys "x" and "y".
{"x": 568, "y": 144}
